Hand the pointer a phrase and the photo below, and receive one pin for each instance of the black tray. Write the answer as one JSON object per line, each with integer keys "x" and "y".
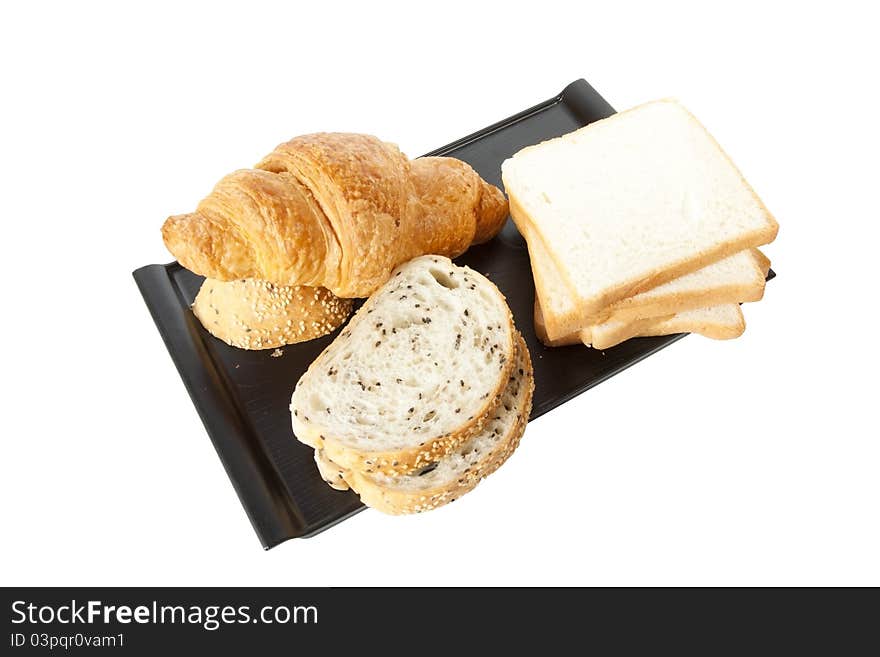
{"x": 243, "y": 396}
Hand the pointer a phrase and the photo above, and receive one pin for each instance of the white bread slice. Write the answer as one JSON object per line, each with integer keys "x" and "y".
{"x": 631, "y": 202}
{"x": 735, "y": 279}
{"x": 413, "y": 374}
{"x": 722, "y": 322}
{"x": 460, "y": 471}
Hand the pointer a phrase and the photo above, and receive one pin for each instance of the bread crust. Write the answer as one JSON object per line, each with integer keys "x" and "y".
{"x": 541, "y": 331}
{"x": 762, "y": 260}
{"x": 330, "y": 472}
{"x": 668, "y": 326}
{"x": 652, "y": 326}
{"x": 336, "y": 210}
{"x": 678, "y": 302}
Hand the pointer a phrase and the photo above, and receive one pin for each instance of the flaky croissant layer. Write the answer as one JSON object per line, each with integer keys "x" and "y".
{"x": 336, "y": 210}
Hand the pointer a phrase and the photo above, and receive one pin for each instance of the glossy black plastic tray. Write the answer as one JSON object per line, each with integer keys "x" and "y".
{"x": 242, "y": 397}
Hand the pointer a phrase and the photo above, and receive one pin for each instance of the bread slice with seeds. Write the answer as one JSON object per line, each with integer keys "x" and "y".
{"x": 460, "y": 471}
{"x": 254, "y": 314}
{"x": 414, "y": 373}
{"x": 333, "y": 474}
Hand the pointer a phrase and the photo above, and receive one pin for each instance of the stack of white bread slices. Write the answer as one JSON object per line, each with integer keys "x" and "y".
{"x": 426, "y": 391}
{"x": 638, "y": 225}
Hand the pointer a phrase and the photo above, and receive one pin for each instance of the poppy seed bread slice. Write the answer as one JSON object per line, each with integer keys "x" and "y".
{"x": 330, "y": 472}
{"x": 414, "y": 373}
{"x": 461, "y": 470}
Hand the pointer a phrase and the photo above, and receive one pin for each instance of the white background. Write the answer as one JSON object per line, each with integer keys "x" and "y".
{"x": 753, "y": 461}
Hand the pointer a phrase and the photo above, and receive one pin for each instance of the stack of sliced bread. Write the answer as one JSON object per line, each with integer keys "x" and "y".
{"x": 638, "y": 225}
{"x": 426, "y": 391}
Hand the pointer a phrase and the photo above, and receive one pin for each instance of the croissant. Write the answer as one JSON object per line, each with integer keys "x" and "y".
{"x": 335, "y": 210}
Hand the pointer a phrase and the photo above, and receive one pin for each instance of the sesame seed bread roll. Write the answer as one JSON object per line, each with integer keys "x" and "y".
{"x": 460, "y": 471}
{"x": 414, "y": 373}
{"x": 254, "y": 314}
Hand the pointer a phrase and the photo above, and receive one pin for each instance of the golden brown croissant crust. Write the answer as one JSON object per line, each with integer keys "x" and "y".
{"x": 335, "y": 210}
